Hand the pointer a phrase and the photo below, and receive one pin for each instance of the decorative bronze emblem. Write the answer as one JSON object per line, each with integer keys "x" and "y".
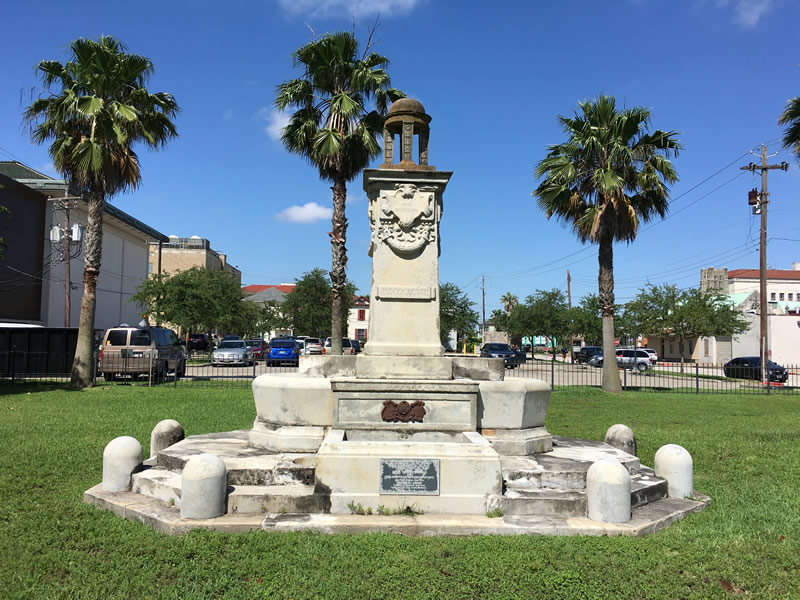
{"x": 404, "y": 412}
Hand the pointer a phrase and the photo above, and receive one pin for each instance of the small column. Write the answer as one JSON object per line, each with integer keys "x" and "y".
{"x": 424, "y": 136}
{"x": 608, "y": 492}
{"x": 673, "y": 463}
{"x": 621, "y": 437}
{"x": 203, "y": 487}
{"x": 388, "y": 147}
{"x": 408, "y": 141}
{"x": 165, "y": 433}
{"x": 122, "y": 457}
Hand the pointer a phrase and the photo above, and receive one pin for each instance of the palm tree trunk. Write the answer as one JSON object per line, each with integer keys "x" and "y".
{"x": 339, "y": 261}
{"x": 605, "y": 285}
{"x": 84, "y": 350}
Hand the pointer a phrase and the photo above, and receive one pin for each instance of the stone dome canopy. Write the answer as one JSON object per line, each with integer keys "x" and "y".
{"x": 406, "y": 105}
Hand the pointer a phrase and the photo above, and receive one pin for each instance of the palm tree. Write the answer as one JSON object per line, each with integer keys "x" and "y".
{"x": 333, "y": 129}
{"x": 606, "y": 178}
{"x": 92, "y": 110}
{"x": 791, "y": 118}
{"x": 509, "y": 301}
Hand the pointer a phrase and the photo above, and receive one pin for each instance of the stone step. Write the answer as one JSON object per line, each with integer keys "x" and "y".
{"x": 278, "y": 499}
{"x": 646, "y": 488}
{"x": 245, "y": 465}
{"x": 542, "y": 502}
{"x": 159, "y": 484}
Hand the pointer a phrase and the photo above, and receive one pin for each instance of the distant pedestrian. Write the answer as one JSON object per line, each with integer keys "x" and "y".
{"x": 563, "y": 354}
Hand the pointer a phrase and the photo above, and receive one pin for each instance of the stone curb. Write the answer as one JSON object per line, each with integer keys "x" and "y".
{"x": 167, "y": 519}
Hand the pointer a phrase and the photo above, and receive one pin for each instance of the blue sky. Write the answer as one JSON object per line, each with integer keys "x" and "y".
{"x": 493, "y": 76}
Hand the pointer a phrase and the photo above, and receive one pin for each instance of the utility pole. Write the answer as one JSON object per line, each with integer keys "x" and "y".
{"x": 62, "y": 238}
{"x": 569, "y": 306}
{"x": 483, "y": 306}
{"x": 761, "y": 206}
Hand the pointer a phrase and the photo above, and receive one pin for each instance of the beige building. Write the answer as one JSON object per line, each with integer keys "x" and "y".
{"x": 180, "y": 254}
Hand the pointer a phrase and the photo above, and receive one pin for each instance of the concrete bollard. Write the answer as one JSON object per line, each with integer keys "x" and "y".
{"x": 621, "y": 437}
{"x": 608, "y": 492}
{"x": 122, "y": 457}
{"x": 165, "y": 433}
{"x": 674, "y": 463}
{"x": 204, "y": 485}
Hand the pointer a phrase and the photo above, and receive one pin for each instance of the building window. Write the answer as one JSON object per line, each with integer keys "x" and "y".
{"x": 149, "y": 268}
{"x": 791, "y": 296}
{"x": 772, "y": 296}
{"x": 670, "y": 347}
{"x": 691, "y": 347}
{"x": 362, "y": 314}
{"x": 780, "y": 296}
{"x": 706, "y": 347}
{"x": 361, "y": 335}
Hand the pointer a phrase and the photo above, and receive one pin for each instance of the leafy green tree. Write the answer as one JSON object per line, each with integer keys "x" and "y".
{"x": 308, "y": 306}
{"x": 544, "y": 313}
{"x": 456, "y": 313}
{"x": 197, "y": 299}
{"x": 790, "y": 117}
{"x": 610, "y": 175}
{"x": 334, "y": 129}
{"x": 509, "y": 301}
{"x": 666, "y": 311}
{"x": 499, "y": 319}
{"x": 588, "y": 321}
{"x": 93, "y": 110}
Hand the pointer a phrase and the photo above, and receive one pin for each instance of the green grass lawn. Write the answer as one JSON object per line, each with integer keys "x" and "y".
{"x": 746, "y": 452}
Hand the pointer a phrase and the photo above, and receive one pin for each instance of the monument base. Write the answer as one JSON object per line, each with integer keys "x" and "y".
{"x": 431, "y": 477}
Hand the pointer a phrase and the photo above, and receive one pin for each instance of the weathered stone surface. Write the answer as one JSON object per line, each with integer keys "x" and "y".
{"x": 203, "y": 487}
{"x": 405, "y": 208}
{"x": 674, "y": 463}
{"x": 403, "y": 367}
{"x": 520, "y": 442}
{"x": 289, "y": 399}
{"x": 621, "y": 437}
{"x": 122, "y": 457}
{"x": 285, "y": 438}
{"x": 512, "y": 404}
{"x": 164, "y": 434}
{"x": 316, "y": 365}
{"x": 608, "y": 492}
{"x": 476, "y": 368}
{"x": 349, "y": 471}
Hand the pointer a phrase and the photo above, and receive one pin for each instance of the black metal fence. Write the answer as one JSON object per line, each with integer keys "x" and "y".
{"x": 53, "y": 366}
{"x": 693, "y": 378}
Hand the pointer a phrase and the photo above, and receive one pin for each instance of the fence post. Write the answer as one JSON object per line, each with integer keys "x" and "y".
{"x": 697, "y": 377}
{"x": 553, "y": 371}
{"x": 625, "y": 377}
{"x": 13, "y": 362}
{"x": 255, "y": 362}
{"x": 95, "y": 354}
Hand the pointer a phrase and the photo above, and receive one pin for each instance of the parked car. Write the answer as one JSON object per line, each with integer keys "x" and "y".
{"x": 595, "y": 360}
{"x": 301, "y": 345}
{"x": 135, "y": 351}
{"x": 653, "y": 354}
{"x": 356, "y": 345}
{"x": 347, "y": 346}
{"x": 257, "y": 347}
{"x": 312, "y": 346}
{"x": 197, "y": 342}
{"x": 282, "y": 351}
{"x": 232, "y": 352}
{"x": 634, "y": 359}
{"x": 231, "y": 336}
{"x": 749, "y": 367}
{"x": 504, "y": 351}
{"x": 587, "y": 352}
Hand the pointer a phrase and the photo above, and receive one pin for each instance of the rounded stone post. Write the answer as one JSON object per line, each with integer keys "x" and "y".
{"x": 674, "y": 463}
{"x": 122, "y": 457}
{"x": 165, "y": 433}
{"x": 621, "y": 437}
{"x": 608, "y": 492}
{"x": 204, "y": 484}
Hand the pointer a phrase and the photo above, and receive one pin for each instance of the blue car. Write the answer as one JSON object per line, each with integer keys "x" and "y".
{"x": 282, "y": 351}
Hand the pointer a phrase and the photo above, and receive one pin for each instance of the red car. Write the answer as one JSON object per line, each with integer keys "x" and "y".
{"x": 257, "y": 346}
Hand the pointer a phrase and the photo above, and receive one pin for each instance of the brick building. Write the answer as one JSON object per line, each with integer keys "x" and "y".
{"x": 180, "y": 254}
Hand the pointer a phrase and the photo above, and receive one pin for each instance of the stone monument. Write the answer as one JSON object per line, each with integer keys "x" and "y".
{"x": 401, "y": 427}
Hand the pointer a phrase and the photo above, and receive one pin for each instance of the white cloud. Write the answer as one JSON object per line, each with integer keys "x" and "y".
{"x": 348, "y": 8}
{"x": 746, "y": 13}
{"x": 749, "y": 12}
{"x": 276, "y": 121}
{"x": 308, "y": 213}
